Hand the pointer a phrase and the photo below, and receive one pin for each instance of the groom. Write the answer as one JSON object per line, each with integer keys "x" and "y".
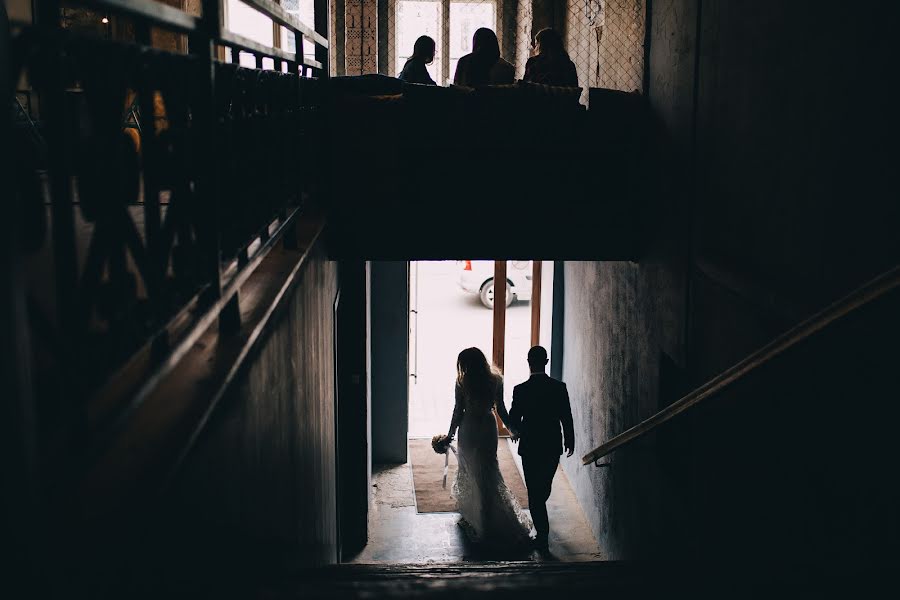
{"x": 539, "y": 406}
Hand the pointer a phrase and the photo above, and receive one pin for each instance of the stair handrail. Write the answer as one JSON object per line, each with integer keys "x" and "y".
{"x": 853, "y": 301}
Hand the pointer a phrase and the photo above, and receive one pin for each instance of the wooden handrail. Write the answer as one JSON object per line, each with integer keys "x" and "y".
{"x": 156, "y": 13}
{"x": 863, "y": 295}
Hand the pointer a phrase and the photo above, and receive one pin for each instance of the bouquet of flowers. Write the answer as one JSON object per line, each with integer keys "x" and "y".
{"x": 440, "y": 443}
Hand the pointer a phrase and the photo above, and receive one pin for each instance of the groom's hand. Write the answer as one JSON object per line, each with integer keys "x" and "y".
{"x": 570, "y": 449}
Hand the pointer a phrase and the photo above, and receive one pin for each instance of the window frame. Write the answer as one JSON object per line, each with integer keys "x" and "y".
{"x": 444, "y": 67}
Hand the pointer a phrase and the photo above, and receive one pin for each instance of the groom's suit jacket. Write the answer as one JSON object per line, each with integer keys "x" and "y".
{"x": 540, "y": 405}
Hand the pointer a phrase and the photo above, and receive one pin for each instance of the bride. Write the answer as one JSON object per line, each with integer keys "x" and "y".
{"x": 490, "y": 512}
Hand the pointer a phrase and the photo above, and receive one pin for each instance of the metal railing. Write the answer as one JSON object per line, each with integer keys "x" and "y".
{"x": 141, "y": 236}
{"x": 857, "y": 299}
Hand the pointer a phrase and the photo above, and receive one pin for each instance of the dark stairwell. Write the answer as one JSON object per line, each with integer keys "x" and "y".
{"x": 187, "y": 324}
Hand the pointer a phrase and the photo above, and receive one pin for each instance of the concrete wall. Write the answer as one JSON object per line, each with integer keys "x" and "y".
{"x": 605, "y": 40}
{"x": 621, "y": 319}
{"x": 260, "y": 485}
{"x": 390, "y": 360}
{"x": 773, "y": 202}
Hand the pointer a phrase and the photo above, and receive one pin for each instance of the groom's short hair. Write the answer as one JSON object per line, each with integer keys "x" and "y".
{"x": 537, "y": 356}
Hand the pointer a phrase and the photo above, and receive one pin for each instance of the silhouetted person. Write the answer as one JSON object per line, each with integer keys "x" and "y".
{"x": 491, "y": 514}
{"x": 551, "y": 65}
{"x": 414, "y": 70}
{"x": 484, "y": 65}
{"x": 539, "y": 406}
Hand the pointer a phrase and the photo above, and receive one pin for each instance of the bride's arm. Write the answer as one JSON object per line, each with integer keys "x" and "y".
{"x": 458, "y": 410}
{"x": 501, "y": 409}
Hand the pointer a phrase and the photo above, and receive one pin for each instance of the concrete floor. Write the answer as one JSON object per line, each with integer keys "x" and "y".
{"x": 398, "y": 534}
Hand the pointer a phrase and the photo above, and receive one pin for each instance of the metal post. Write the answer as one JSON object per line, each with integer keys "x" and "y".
{"x": 445, "y": 53}
{"x": 499, "y": 325}
{"x": 536, "y": 270}
{"x": 62, "y": 210}
{"x": 322, "y": 22}
{"x": 204, "y": 114}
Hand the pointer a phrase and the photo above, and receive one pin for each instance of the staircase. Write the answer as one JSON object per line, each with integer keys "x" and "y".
{"x": 601, "y": 579}
{"x": 466, "y": 580}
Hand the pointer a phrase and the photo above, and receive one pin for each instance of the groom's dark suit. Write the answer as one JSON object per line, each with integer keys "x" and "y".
{"x": 540, "y": 405}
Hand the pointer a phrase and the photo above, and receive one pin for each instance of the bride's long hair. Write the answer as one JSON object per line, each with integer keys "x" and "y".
{"x": 475, "y": 375}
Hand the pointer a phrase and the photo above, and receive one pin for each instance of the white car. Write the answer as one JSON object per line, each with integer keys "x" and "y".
{"x": 477, "y": 277}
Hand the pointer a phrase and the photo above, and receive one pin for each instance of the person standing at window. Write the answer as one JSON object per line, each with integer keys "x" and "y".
{"x": 484, "y": 65}
{"x": 551, "y": 65}
{"x": 414, "y": 70}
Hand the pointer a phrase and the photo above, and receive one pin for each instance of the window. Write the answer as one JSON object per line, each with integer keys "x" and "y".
{"x": 250, "y": 23}
{"x": 452, "y": 35}
{"x": 465, "y": 18}
{"x": 303, "y": 10}
{"x": 416, "y": 18}
{"x": 245, "y": 21}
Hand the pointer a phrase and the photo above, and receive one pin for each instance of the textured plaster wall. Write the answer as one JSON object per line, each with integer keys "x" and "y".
{"x": 624, "y": 322}
{"x": 620, "y": 318}
{"x": 260, "y": 484}
{"x": 605, "y": 40}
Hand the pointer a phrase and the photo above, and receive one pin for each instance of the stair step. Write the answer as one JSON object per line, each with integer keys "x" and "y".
{"x": 496, "y": 580}
{"x": 595, "y": 579}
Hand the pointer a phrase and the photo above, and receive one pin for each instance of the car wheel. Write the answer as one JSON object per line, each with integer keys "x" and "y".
{"x": 487, "y": 294}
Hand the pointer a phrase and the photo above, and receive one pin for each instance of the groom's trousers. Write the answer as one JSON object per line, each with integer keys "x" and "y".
{"x": 539, "y": 470}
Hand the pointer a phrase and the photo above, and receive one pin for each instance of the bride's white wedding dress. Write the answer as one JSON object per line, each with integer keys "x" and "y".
{"x": 487, "y": 505}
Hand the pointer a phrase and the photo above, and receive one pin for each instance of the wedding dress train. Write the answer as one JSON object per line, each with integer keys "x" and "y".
{"x": 485, "y": 502}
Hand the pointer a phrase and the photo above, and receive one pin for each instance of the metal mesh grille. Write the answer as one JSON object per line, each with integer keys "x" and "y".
{"x": 361, "y": 36}
{"x": 605, "y": 40}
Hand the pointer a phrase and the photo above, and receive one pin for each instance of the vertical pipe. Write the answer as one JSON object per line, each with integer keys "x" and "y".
{"x": 536, "y": 271}
{"x": 321, "y": 23}
{"x": 339, "y": 37}
{"x": 62, "y": 210}
{"x": 203, "y": 45}
{"x": 648, "y": 25}
{"x": 149, "y": 158}
{"x": 445, "y": 73}
{"x": 558, "y": 325}
{"x": 384, "y": 63}
{"x": 692, "y": 196}
{"x": 499, "y": 325}
{"x": 499, "y": 313}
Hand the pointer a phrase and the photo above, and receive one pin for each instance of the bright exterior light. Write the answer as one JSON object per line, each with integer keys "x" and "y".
{"x": 105, "y": 20}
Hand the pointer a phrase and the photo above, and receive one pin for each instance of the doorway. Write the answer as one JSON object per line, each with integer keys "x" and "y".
{"x": 452, "y": 308}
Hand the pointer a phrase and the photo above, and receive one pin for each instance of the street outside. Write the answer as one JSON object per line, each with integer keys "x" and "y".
{"x": 448, "y": 320}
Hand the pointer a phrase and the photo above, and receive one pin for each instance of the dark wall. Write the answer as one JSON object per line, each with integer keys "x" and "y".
{"x": 390, "y": 359}
{"x": 259, "y": 488}
{"x": 773, "y": 198}
{"x": 796, "y": 125}
{"x": 790, "y": 464}
{"x": 354, "y": 408}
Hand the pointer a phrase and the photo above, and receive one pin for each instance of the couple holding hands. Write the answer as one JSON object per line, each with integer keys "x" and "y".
{"x": 540, "y": 412}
